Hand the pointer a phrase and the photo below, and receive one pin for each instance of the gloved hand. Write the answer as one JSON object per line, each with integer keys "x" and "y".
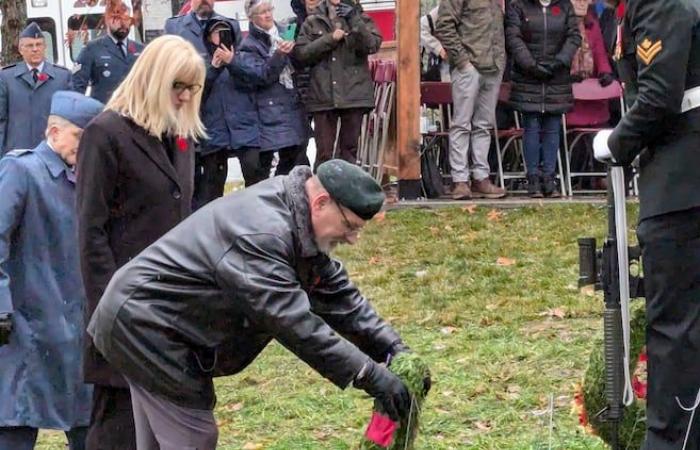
{"x": 576, "y": 78}
{"x": 541, "y": 73}
{"x": 386, "y": 388}
{"x": 5, "y": 328}
{"x": 400, "y": 347}
{"x": 344, "y": 10}
{"x": 605, "y": 79}
{"x": 601, "y": 151}
{"x": 552, "y": 65}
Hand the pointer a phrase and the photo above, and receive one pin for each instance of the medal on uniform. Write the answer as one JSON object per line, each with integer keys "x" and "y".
{"x": 106, "y": 74}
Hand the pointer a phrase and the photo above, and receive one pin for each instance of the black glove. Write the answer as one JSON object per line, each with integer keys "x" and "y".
{"x": 400, "y": 347}
{"x": 5, "y": 328}
{"x": 386, "y": 388}
{"x": 344, "y": 10}
{"x": 541, "y": 73}
{"x": 553, "y": 65}
{"x": 605, "y": 79}
{"x": 576, "y": 78}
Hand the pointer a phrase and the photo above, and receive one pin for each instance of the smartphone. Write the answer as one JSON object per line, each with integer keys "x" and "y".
{"x": 288, "y": 33}
{"x": 226, "y": 38}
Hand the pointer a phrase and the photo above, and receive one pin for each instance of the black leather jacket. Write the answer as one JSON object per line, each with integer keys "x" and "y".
{"x": 206, "y": 298}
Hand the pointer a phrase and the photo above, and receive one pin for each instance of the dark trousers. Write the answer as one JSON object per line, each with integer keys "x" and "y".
{"x": 256, "y": 165}
{"x": 111, "y": 420}
{"x": 24, "y": 438}
{"x": 210, "y": 172}
{"x": 671, "y": 255}
{"x": 326, "y": 127}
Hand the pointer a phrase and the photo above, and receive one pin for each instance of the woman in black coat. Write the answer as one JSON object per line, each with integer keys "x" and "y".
{"x": 542, "y": 37}
{"x": 135, "y": 180}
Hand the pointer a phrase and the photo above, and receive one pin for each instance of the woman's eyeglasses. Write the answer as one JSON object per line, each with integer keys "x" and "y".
{"x": 180, "y": 87}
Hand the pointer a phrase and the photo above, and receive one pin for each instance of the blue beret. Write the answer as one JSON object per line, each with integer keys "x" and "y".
{"x": 351, "y": 187}
{"x": 75, "y": 108}
{"x": 31, "y": 31}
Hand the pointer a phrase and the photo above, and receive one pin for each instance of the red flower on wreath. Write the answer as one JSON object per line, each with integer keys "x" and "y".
{"x": 182, "y": 144}
{"x": 556, "y": 10}
{"x": 42, "y": 77}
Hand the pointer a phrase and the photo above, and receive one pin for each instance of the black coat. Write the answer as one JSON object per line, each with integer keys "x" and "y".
{"x": 664, "y": 35}
{"x": 129, "y": 194}
{"x": 207, "y": 297}
{"x": 535, "y": 34}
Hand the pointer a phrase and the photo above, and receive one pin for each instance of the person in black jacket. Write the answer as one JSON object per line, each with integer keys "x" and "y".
{"x": 662, "y": 128}
{"x": 542, "y": 38}
{"x": 208, "y": 297}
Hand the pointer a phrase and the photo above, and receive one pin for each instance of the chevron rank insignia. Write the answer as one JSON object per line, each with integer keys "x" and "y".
{"x": 648, "y": 50}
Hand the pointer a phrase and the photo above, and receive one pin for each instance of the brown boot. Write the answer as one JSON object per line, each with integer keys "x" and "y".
{"x": 485, "y": 189}
{"x": 461, "y": 191}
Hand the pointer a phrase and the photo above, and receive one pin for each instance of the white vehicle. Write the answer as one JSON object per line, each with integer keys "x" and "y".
{"x": 57, "y": 17}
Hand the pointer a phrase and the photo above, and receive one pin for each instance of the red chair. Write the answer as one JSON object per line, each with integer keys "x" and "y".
{"x": 590, "y": 115}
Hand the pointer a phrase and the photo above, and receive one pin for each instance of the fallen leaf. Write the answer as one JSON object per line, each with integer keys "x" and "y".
{"x": 448, "y": 330}
{"x": 483, "y": 425}
{"x": 485, "y": 321}
{"x": 471, "y": 208}
{"x": 421, "y": 273}
{"x": 494, "y": 215}
{"x": 252, "y": 446}
{"x": 559, "y": 313}
{"x": 373, "y": 261}
{"x": 434, "y": 231}
{"x": 379, "y": 217}
{"x": 234, "y": 407}
{"x": 448, "y": 228}
{"x": 503, "y": 261}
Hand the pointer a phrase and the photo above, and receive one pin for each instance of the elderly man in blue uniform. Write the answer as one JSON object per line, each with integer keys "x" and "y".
{"x": 41, "y": 293}
{"x": 211, "y": 160}
{"x": 662, "y": 128}
{"x": 103, "y": 63}
{"x": 26, "y": 89}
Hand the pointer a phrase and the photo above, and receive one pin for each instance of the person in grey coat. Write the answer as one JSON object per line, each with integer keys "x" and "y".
{"x": 41, "y": 293}
{"x": 103, "y": 63}
{"x": 26, "y": 89}
{"x": 206, "y": 298}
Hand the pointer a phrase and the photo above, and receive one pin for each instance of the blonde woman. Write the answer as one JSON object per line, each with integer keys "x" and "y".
{"x": 136, "y": 166}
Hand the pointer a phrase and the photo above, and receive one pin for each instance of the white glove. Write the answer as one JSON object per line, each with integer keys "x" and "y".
{"x": 601, "y": 151}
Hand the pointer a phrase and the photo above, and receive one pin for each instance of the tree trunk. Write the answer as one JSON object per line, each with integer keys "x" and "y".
{"x": 14, "y": 18}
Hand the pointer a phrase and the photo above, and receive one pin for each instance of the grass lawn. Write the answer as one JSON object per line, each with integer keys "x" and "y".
{"x": 488, "y": 297}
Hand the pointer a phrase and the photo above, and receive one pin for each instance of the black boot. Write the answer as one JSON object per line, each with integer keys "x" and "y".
{"x": 549, "y": 187}
{"x": 534, "y": 189}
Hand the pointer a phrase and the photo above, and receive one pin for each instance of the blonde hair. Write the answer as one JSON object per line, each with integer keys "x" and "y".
{"x": 145, "y": 94}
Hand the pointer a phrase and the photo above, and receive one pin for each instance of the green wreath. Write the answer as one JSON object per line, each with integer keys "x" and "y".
{"x": 590, "y": 399}
{"x": 412, "y": 371}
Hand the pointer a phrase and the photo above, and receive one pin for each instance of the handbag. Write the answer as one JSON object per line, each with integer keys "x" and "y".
{"x": 431, "y": 177}
{"x": 430, "y": 62}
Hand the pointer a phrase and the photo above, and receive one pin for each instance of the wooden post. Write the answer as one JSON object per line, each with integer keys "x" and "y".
{"x": 408, "y": 97}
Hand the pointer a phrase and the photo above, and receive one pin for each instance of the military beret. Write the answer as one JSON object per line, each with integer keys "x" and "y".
{"x": 351, "y": 187}
{"x": 74, "y": 107}
{"x": 31, "y": 31}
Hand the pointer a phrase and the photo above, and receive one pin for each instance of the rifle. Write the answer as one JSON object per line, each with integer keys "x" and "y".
{"x": 605, "y": 270}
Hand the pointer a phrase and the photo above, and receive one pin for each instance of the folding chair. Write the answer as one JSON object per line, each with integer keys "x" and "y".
{"x": 590, "y": 115}
{"x": 382, "y": 122}
{"x": 368, "y": 127}
{"x": 437, "y": 95}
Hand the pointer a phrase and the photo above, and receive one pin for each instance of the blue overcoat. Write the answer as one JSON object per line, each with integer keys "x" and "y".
{"x": 41, "y": 382}
{"x": 25, "y": 105}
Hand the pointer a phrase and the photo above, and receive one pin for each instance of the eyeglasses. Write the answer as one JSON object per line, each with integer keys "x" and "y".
{"x": 351, "y": 229}
{"x": 179, "y": 87}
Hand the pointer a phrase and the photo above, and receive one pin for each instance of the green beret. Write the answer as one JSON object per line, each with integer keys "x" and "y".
{"x": 351, "y": 187}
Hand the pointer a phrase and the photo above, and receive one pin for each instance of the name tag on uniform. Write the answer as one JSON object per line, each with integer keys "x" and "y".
{"x": 105, "y": 57}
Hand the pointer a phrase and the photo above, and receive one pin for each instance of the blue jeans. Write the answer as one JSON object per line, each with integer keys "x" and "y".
{"x": 541, "y": 142}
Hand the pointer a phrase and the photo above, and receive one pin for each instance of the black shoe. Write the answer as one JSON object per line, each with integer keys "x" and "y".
{"x": 534, "y": 189}
{"x": 549, "y": 187}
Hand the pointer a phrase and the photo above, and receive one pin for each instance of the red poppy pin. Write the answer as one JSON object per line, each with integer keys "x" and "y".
{"x": 131, "y": 48}
{"x": 556, "y": 10}
{"x": 42, "y": 77}
{"x": 182, "y": 144}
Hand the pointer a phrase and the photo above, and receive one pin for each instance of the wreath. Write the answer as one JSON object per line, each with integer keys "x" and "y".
{"x": 589, "y": 398}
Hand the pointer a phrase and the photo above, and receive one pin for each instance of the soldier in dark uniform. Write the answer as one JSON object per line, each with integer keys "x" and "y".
{"x": 662, "y": 127}
{"x": 211, "y": 162}
{"x": 26, "y": 89}
{"x": 104, "y": 62}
